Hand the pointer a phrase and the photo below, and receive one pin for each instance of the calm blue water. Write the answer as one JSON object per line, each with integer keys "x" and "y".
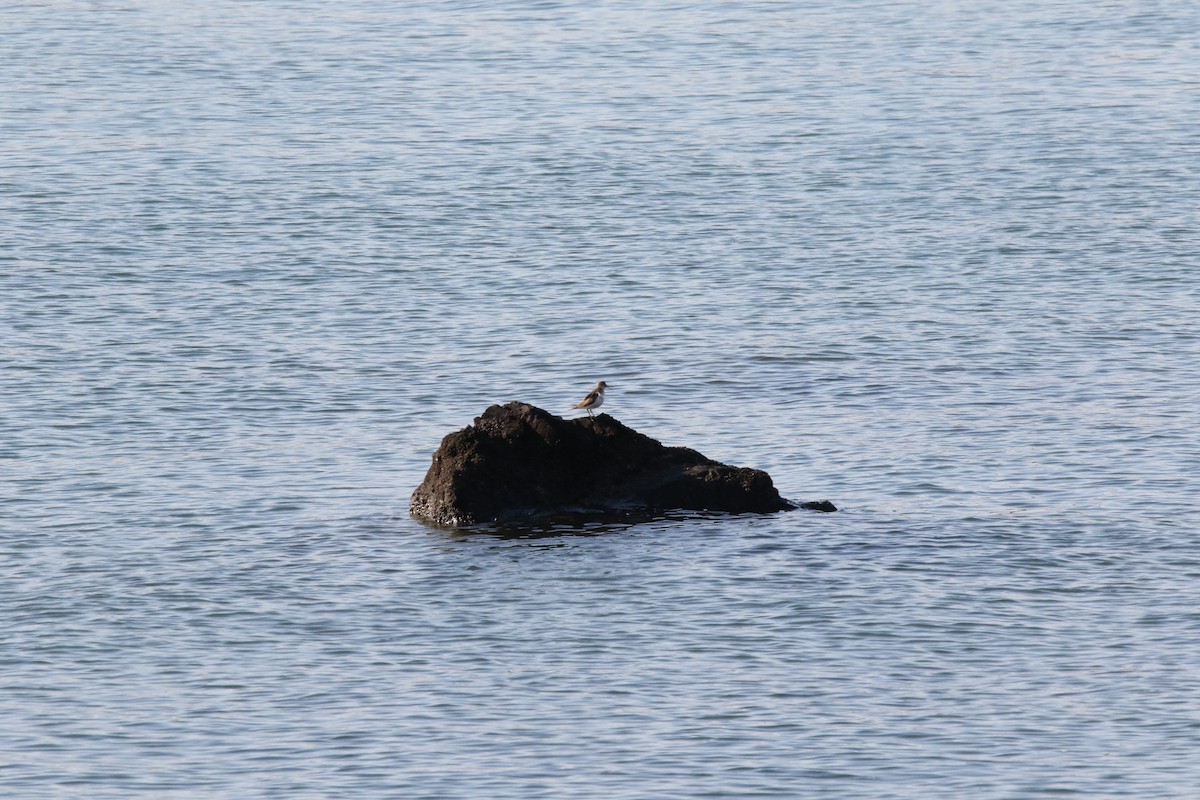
{"x": 935, "y": 262}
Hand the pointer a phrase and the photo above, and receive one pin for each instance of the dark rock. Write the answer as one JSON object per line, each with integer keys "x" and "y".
{"x": 519, "y": 462}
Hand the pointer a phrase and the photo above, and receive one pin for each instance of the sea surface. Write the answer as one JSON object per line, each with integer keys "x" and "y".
{"x": 937, "y": 262}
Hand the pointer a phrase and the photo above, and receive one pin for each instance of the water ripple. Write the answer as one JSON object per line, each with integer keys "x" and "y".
{"x": 935, "y": 264}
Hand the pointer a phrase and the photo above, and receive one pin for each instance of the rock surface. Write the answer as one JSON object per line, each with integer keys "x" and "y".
{"x": 519, "y": 462}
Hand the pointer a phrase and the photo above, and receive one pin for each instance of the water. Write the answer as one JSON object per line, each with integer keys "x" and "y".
{"x": 934, "y": 262}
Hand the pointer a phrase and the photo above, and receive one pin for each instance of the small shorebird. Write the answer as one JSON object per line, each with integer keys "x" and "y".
{"x": 594, "y": 399}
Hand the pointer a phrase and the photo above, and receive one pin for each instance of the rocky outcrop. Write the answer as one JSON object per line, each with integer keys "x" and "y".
{"x": 518, "y": 462}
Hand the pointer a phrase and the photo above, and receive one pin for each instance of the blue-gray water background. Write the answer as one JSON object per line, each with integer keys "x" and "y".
{"x": 936, "y": 262}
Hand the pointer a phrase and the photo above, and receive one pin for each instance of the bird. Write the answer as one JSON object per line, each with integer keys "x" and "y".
{"x": 593, "y": 400}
